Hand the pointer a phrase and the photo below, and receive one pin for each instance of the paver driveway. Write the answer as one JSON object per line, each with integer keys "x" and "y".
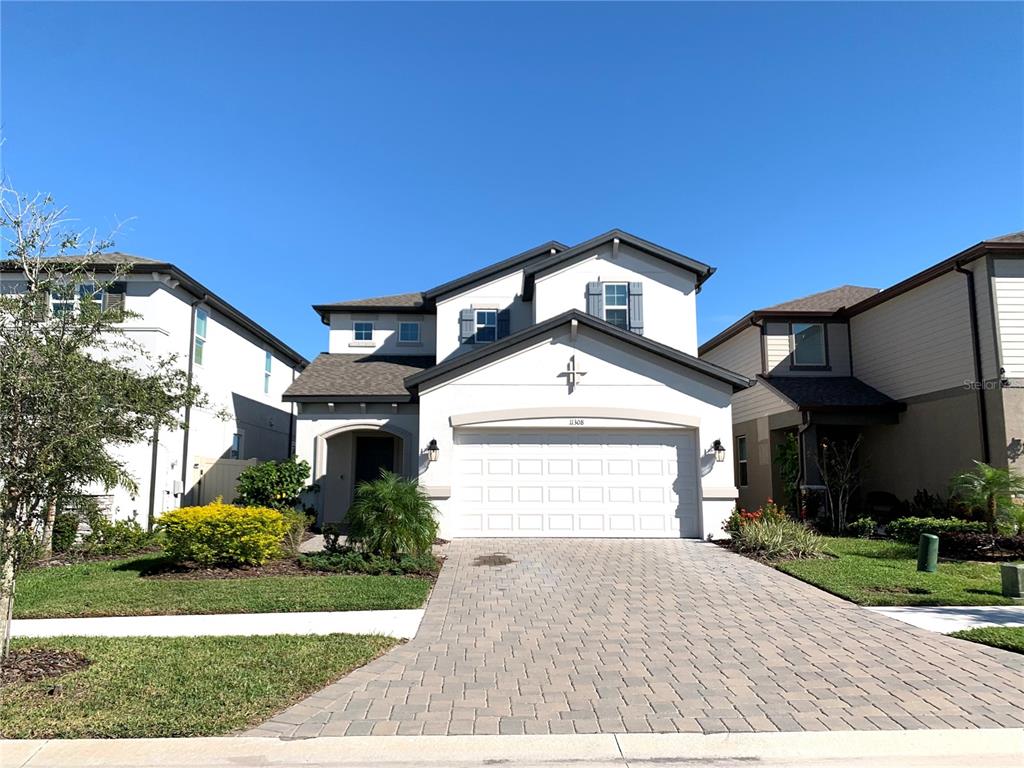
{"x": 585, "y": 636}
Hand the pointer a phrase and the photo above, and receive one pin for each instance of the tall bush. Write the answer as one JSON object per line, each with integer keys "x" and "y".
{"x": 273, "y": 484}
{"x": 392, "y": 516}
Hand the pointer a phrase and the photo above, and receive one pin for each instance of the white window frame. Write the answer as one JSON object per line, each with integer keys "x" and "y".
{"x": 477, "y": 324}
{"x": 410, "y": 324}
{"x": 199, "y": 339}
{"x": 268, "y": 365}
{"x": 742, "y": 461}
{"x": 794, "y": 329}
{"x": 624, "y": 307}
{"x": 73, "y": 303}
{"x": 356, "y": 330}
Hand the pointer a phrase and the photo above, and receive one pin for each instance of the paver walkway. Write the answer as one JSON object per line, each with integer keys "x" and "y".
{"x": 623, "y": 636}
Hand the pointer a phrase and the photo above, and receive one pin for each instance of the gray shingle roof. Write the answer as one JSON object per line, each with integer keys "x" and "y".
{"x": 818, "y": 393}
{"x": 824, "y": 301}
{"x": 356, "y": 376}
{"x": 403, "y": 300}
{"x": 1012, "y": 237}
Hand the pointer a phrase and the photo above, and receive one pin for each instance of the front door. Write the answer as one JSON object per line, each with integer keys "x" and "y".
{"x": 373, "y": 453}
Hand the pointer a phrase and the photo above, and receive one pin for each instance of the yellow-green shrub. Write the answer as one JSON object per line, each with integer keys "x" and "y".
{"x": 223, "y": 534}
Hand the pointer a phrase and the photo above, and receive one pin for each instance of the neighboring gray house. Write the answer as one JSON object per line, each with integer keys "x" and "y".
{"x": 930, "y": 373}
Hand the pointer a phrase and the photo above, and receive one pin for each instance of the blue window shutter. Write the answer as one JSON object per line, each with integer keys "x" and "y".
{"x": 636, "y": 308}
{"x": 467, "y": 326}
{"x": 504, "y": 323}
{"x": 595, "y": 300}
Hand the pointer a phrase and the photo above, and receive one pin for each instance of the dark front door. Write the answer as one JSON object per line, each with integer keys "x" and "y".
{"x": 373, "y": 453}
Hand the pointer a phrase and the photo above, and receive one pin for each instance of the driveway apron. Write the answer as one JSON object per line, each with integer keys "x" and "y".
{"x": 543, "y": 636}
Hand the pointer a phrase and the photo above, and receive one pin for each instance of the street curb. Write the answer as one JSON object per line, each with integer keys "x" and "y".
{"x": 606, "y": 749}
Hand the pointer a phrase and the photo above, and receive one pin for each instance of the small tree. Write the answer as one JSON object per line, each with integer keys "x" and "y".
{"x": 840, "y": 472}
{"x": 72, "y": 387}
{"x": 988, "y": 488}
{"x": 392, "y": 516}
{"x": 274, "y": 484}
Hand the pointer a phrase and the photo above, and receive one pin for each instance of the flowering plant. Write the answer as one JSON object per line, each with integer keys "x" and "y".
{"x": 769, "y": 511}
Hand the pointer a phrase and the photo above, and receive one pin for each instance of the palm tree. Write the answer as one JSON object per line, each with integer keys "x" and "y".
{"x": 989, "y": 488}
{"x": 392, "y": 516}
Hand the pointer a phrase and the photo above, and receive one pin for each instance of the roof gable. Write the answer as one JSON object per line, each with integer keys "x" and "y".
{"x": 615, "y": 236}
{"x": 493, "y": 271}
{"x": 476, "y": 358}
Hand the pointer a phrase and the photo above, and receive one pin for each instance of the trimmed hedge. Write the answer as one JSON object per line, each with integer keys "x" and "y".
{"x": 981, "y": 546}
{"x": 223, "y": 534}
{"x": 909, "y": 529}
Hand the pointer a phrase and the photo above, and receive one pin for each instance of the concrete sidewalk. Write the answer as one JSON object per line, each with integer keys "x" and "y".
{"x": 932, "y": 748}
{"x": 946, "y": 619}
{"x": 400, "y": 624}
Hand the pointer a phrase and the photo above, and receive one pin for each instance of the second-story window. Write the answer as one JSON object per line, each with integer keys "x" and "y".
{"x": 616, "y": 304}
{"x": 409, "y": 333}
{"x": 486, "y": 325}
{"x": 199, "y": 343}
{"x": 268, "y": 360}
{"x": 68, "y": 299}
{"x": 362, "y": 331}
{"x": 809, "y": 344}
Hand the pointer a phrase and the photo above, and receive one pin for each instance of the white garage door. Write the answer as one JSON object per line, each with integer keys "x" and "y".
{"x": 545, "y": 483}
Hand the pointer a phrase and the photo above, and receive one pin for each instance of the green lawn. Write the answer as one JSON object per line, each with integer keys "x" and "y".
{"x": 196, "y": 686}
{"x": 871, "y": 572}
{"x": 116, "y": 588}
{"x": 1007, "y": 638}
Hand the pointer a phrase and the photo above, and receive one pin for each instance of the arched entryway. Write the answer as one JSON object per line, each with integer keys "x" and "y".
{"x": 353, "y": 456}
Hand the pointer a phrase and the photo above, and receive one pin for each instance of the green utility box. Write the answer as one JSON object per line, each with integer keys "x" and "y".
{"x": 928, "y": 553}
{"x": 1013, "y": 580}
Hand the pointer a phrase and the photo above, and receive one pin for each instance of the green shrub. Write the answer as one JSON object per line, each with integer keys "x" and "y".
{"x": 778, "y": 539}
{"x": 273, "y": 484}
{"x": 223, "y": 534}
{"x": 863, "y": 528}
{"x": 65, "y": 531}
{"x": 910, "y": 528}
{"x": 741, "y": 517}
{"x": 113, "y": 537}
{"x": 298, "y": 523}
{"x": 391, "y": 516}
{"x": 349, "y": 560}
{"x": 333, "y": 535}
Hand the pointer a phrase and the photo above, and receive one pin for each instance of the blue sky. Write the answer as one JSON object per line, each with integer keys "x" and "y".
{"x": 286, "y": 154}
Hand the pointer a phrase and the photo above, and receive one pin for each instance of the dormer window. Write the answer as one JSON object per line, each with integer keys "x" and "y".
{"x": 809, "y": 345}
{"x": 486, "y": 325}
{"x": 616, "y": 304}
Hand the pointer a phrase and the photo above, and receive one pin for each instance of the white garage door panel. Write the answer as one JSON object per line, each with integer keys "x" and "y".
{"x": 546, "y": 483}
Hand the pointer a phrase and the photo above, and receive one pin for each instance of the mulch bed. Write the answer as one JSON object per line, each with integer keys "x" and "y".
{"x": 30, "y": 664}
{"x": 195, "y": 572}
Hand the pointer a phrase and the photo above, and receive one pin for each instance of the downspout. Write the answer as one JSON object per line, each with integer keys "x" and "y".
{"x": 152, "y": 476}
{"x": 291, "y": 424}
{"x": 972, "y": 305}
{"x": 188, "y": 405}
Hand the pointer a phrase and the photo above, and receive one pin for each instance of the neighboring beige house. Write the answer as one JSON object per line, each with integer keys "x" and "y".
{"x": 930, "y": 373}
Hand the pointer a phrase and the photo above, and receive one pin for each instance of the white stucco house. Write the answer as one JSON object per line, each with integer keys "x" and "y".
{"x": 241, "y": 367}
{"x": 555, "y": 393}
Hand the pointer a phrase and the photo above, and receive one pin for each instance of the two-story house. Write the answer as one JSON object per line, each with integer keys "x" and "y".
{"x": 242, "y": 369}
{"x": 555, "y": 393}
{"x": 928, "y": 373}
